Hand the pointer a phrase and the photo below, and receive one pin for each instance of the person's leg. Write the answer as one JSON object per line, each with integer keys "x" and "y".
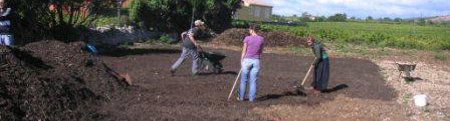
{"x": 325, "y": 74}
{"x": 320, "y": 82}
{"x": 8, "y": 40}
{"x": 315, "y": 77}
{"x": 254, "y": 72}
{"x": 195, "y": 58}
{"x": 244, "y": 78}
{"x": 2, "y": 40}
{"x": 180, "y": 60}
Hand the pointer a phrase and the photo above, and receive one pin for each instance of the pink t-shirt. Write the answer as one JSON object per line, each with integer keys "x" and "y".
{"x": 254, "y": 46}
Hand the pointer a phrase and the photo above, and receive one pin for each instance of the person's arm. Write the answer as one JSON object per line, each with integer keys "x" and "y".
{"x": 8, "y": 10}
{"x": 182, "y": 35}
{"x": 191, "y": 37}
{"x": 244, "y": 50}
{"x": 261, "y": 49}
{"x": 317, "y": 54}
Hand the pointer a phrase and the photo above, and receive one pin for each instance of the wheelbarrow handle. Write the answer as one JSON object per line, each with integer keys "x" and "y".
{"x": 200, "y": 48}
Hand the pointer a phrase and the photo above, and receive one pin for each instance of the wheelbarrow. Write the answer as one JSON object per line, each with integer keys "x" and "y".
{"x": 407, "y": 68}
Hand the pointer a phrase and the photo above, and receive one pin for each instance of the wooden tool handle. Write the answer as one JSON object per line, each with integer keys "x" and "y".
{"x": 234, "y": 85}
{"x": 307, "y": 74}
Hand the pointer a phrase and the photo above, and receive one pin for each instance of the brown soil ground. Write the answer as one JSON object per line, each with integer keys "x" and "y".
{"x": 50, "y": 80}
{"x": 357, "y": 90}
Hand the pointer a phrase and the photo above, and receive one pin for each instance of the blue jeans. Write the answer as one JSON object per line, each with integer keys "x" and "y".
{"x": 185, "y": 54}
{"x": 6, "y": 39}
{"x": 250, "y": 70}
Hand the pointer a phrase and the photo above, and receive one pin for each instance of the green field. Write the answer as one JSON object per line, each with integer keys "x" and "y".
{"x": 404, "y": 35}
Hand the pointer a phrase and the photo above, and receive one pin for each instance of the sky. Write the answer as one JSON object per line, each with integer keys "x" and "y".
{"x": 363, "y": 8}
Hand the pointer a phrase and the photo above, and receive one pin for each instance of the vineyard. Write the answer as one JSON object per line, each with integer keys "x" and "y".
{"x": 407, "y": 36}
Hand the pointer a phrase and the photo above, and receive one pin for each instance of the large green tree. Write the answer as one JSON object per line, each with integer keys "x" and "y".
{"x": 338, "y": 17}
{"x": 176, "y": 15}
{"x": 54, "y": 19}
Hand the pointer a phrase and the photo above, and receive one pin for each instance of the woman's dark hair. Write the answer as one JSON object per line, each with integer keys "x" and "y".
{"x": 254, "y": 27}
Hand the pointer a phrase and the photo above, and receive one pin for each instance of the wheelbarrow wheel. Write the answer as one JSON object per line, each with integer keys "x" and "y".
{"x": 218, "y": 70}
{"x": 206, "y": 66}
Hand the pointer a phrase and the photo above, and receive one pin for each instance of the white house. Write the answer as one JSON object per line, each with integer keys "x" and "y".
{"x": 254, "y": 10}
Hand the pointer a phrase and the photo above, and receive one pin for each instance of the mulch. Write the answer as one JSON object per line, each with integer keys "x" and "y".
{"x": 235, "y": 36}
{"x": 50, "y": 80}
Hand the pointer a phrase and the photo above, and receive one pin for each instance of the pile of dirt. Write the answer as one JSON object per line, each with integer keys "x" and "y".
{"x": 50, "y": 80}
{"x": 235, "y": 37}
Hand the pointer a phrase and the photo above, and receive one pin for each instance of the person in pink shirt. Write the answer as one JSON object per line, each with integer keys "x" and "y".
{"x": 250, "y": 62}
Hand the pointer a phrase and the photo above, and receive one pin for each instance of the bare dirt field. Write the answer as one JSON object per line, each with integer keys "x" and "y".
{"x": 51, "y": 80}
{"x": 358, "y": 91}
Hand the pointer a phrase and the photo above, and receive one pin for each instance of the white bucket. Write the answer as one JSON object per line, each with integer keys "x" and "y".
{"x": 420, "y": 100}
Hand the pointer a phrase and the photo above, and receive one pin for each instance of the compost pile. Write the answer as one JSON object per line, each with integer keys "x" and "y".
{"x": 235, "y": 37}
{"x": 50, "y": 80}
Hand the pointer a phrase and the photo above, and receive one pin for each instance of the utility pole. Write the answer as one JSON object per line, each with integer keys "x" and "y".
{"x": 119, "y": 7}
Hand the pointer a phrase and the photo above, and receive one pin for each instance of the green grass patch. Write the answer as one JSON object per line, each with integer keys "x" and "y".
{"x": 163, "y": 39}
{"x": 403, "y": 36}
{"x": 440, "y": 55}
{"x": 300, "y": 50}
{"x": 111, "y": 20}
{"x": 126, "y": 45}
{"x": 407, "y": 97}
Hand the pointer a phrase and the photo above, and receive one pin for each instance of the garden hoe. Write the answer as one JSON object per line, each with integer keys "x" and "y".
{"x": 301, "y": 88}
{"x": 234, "y": 85}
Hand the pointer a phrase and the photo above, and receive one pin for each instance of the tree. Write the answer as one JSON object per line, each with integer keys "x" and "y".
{"x": 422, "y": 22}
{"x": 398, "y": 19}
{"x": 277, "y": 18}
{"x": 321, "y": 19}
{"x": 176, "y": 15}
{"x": 195, "y": 4}
{"x": 57, "y": 19}
{"x": 338, "y": 17}
{"x": 369, "y": 18}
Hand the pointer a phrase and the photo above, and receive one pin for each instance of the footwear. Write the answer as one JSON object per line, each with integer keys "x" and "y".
{"x": 253, "y": 100}
{"x": 172, "y": 72}
{"x": 239, "y": 99}
{"x": 313, "y": 90}
{"x": 310, "y": 88}
{"x": 316, "y": 92}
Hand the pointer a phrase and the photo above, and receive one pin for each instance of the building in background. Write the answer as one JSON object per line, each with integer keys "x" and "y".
{"x": 440, "y": 19}
{"x": 254, "y": 10}
{"x": 126, "y": 3}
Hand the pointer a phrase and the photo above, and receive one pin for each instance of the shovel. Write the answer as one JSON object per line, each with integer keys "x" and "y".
{"x": 93, "y": 53}
{"x": 122, "y": 77}
{"x": 301, "y": 88}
